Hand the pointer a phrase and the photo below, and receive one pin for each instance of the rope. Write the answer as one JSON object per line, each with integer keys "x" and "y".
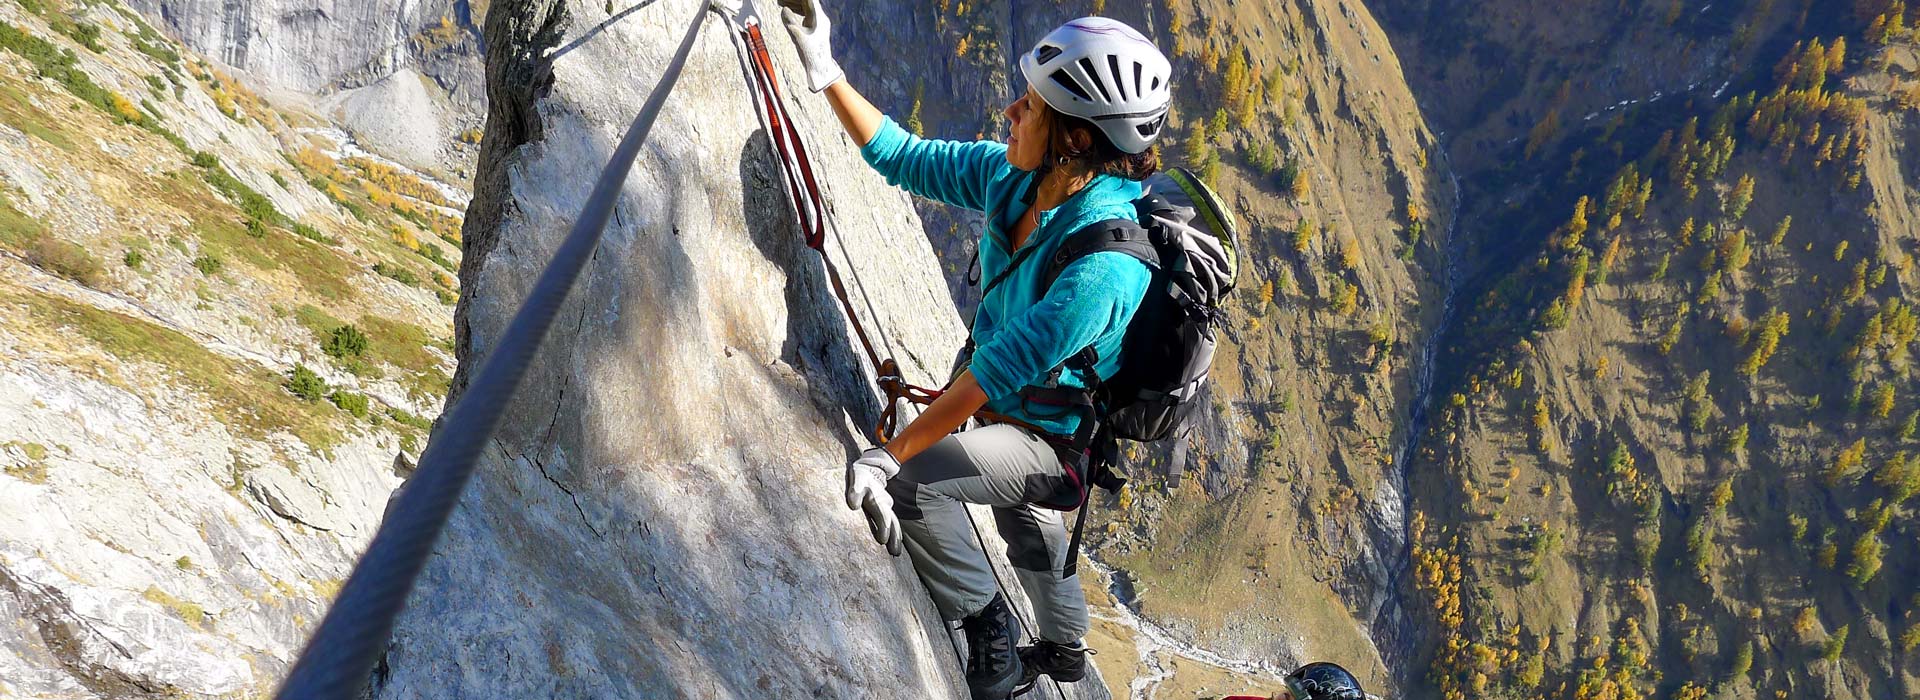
{"x": 350, "y": 640}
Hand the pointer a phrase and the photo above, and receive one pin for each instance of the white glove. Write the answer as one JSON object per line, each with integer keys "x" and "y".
{"x": 807, "y": 23}
{"x": 867, "y": 491}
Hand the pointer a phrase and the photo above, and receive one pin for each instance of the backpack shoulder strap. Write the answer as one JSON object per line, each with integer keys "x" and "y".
{"x": 1122, "y": 235}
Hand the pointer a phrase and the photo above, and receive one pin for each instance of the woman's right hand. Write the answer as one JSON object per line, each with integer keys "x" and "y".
{"x": 807, "y": 23}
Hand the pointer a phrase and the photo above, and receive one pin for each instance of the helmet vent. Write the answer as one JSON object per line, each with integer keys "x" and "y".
{"x": 1119, "y": 86}
{"x": 1137, "y": 69}
{"x": 1149, "y": 129}
{"x": 1066, "y": 81}
{"x": 1156, "y": 83}
{"x": 1046, "y": 52}
{"x": 1093, "y": 75}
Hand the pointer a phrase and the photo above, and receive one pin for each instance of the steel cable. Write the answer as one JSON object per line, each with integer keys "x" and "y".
{"x": 341, "y": 654}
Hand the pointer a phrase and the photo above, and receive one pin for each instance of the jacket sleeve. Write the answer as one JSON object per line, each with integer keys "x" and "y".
{"x": 953, "y": 172}
{"x": 1093, "y": 296}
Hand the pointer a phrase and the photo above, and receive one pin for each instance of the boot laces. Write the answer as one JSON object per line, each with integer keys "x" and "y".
{"x": 1051, "y": 654}
{"x": 985, "y": 642}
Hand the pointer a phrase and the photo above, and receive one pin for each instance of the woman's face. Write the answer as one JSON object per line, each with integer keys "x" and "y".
{"x": 1027, "y": 142}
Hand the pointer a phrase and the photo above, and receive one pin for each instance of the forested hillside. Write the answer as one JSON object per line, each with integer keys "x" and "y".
{"x": 1674, "y": 456}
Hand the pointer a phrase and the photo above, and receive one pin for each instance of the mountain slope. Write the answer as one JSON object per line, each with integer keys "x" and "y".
{"x": 1673, "y": 457}
{"x": 226, "y": 331}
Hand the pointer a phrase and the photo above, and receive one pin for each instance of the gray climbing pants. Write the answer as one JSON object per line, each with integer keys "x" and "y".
{"x": 1006, "y": 467}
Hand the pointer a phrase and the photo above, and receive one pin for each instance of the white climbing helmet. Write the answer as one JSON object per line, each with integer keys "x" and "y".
{"x": 1103, "y": 71}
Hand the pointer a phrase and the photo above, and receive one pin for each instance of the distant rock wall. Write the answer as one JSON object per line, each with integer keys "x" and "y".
{"x": 404, "y": 75}
{"x": 301, "y": 45}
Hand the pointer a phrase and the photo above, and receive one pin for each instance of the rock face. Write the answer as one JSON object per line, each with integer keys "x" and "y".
{"x": 660, "y": 515}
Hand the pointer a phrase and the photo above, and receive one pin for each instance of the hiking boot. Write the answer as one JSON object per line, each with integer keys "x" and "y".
{"x": 1062, "y": 663}
{"x": 993, "y": 667}
{"x": 1066, "y": 664}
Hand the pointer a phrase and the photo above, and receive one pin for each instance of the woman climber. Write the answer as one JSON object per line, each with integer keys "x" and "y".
{"x": 1082, "y": 138}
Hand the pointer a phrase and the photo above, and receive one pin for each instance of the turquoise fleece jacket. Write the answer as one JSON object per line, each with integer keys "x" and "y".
{"x": 1020, "y": 333}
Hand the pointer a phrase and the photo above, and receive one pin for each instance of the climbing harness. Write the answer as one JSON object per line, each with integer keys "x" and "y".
{"x": 341, "y": 655}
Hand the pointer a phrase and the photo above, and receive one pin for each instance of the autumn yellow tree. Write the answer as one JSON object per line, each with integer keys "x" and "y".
{"x": 1237, "y": 82}
{"x": 1576, "y": 226}
{"x": 1846, "y": 462}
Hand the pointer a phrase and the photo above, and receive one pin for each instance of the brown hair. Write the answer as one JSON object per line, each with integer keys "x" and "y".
{"x": 1102, "y": 156}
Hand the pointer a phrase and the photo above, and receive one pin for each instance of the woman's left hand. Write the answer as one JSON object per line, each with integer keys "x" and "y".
{"x": 867, "y": 491}
{"x": 807, "y": 23}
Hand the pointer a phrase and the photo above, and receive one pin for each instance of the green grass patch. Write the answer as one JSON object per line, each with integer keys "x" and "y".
{"x": 17, "y": 230}
{"x": 151, "y": 122}
{"x": 32, "y": 473}
{"x": 250, "y": 201}
{"x": 30, "y": 239}
{"x": 246, "y": 397}
{"x": 398, "y": 343}
{"x": 67, "y": 259}
{"x": 17, "y": 111}
{"x": 407, "y": 419}
{"x": 439, "y": 257}
{"x": 35, "y": 470}
{"x": 306, "y": 384}
{"x": 336, "y": 341}
{"x": 320, "y": 270}
{"x": 61, "y": 66}
{"x": 312, "y": 234}
{"x": 155, "y": 47}
{"x": 397, "y": 273}
{"x": 351, "y": 402}
{"x": 430, "y": 385}
{"x": 339, "y": 197}
{"x": 345, "y": 342}
{"x": 82, "y": 33}
{"x": 317, "y": 320}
